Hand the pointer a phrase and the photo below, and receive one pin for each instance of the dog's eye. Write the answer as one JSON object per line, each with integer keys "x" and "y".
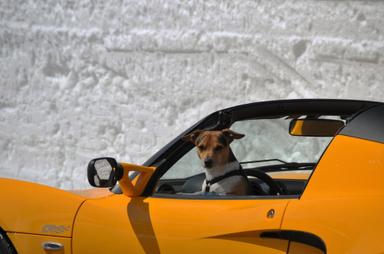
{"x": 218, "y": 148}
{"x": 201, "y": 147}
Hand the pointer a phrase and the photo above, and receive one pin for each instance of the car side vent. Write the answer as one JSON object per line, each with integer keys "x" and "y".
{"x": 297, "y": 236}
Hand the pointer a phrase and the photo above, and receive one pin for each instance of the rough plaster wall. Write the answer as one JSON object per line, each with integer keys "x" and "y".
{"x": 88, "y": 78}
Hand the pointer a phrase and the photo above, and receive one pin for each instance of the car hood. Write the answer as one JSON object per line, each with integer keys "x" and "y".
{"x": 38, "y": 209}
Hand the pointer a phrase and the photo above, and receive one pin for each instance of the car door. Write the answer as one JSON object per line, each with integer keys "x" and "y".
{"x": 118, "y": 224}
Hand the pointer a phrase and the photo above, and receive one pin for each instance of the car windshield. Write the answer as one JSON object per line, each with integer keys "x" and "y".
{"x": 266, "y": 142}
{"x": 269, "y": 139}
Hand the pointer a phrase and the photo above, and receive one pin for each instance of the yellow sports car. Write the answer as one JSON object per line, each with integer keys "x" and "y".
{"x": 315, "y": 176}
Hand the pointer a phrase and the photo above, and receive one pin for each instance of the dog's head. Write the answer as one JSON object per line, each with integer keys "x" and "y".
{"x": 213, "y": 146}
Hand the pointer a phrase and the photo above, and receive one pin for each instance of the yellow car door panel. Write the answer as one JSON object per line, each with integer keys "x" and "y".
{"x": 171, "y": 225}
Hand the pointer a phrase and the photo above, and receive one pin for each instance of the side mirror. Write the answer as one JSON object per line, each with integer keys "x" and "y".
{"x": 315, "y": 127}
{"x": 106, "y": 171}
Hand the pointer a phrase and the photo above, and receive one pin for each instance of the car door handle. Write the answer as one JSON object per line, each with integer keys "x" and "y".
{"x": 52, "y": 246}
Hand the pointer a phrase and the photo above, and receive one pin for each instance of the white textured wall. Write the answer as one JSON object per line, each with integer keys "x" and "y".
{"x": 87, "y": 78}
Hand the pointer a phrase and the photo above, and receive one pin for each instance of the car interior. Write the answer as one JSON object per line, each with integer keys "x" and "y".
{"x": 266, "y": 176}
{"x": 260, "y": 182}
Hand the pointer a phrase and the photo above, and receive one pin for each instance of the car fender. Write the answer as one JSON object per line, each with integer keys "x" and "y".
{"x": 37, "y": 209}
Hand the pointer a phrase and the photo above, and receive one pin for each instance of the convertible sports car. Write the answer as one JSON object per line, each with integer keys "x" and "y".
{"x": 316, "y": 168}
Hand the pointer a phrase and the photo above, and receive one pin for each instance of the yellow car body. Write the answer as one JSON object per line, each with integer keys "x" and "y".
{"x": 340, "y": 210}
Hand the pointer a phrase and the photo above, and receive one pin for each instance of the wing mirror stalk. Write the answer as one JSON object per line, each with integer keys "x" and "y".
{"x": 105, "y": 172}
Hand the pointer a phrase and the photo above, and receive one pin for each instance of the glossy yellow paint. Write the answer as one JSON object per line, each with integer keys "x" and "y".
{"x": 165, "y": 225}
{"x": 37, "y": 209}
{"x": 28, "y": 243}
{"x": 343, "y": 203}
{"x": 136, "y": 187}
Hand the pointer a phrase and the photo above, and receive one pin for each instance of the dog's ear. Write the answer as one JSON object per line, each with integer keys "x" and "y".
{"x": 230, "y": 135}
{"x": 191, "y": 137}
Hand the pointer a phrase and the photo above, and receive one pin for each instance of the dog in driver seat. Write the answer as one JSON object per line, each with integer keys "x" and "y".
{"x": 223, "y": 173}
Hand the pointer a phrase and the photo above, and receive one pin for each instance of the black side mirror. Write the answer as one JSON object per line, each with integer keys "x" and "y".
{"x": 104, "y": 172}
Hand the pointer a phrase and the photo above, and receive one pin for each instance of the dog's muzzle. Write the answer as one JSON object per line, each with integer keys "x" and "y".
{"x": 208, "y": 162}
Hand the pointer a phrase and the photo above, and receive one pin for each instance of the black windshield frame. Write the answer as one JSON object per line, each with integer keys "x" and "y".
{"x": 177, "y": 148}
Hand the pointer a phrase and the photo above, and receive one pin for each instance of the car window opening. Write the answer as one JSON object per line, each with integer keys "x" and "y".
{"x": 277, "y": 164}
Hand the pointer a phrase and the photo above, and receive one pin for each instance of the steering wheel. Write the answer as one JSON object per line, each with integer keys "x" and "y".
{"x": 166, "y": 188}
{"x": 274, "y": 188}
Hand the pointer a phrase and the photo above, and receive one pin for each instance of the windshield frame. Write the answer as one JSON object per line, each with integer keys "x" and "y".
{"x": 221, "y": 119}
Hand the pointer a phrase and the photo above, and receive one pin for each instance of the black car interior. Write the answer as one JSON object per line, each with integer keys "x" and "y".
{"x": 260, "y": 183}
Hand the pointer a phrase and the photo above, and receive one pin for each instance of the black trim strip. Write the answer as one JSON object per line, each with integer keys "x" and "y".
{"x": 297, "y": 236}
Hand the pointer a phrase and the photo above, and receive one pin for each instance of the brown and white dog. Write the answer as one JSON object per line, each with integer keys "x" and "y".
{"x": 219, "y": 161}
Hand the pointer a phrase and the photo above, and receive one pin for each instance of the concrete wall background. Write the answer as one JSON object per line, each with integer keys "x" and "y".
{"x": 88, "y": 78}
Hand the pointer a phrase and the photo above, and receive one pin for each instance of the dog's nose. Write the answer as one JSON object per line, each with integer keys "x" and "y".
{"x": 208, "y": 162}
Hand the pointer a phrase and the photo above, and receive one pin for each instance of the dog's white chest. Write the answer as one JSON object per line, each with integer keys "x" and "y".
{"x": 225, "y": 186}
